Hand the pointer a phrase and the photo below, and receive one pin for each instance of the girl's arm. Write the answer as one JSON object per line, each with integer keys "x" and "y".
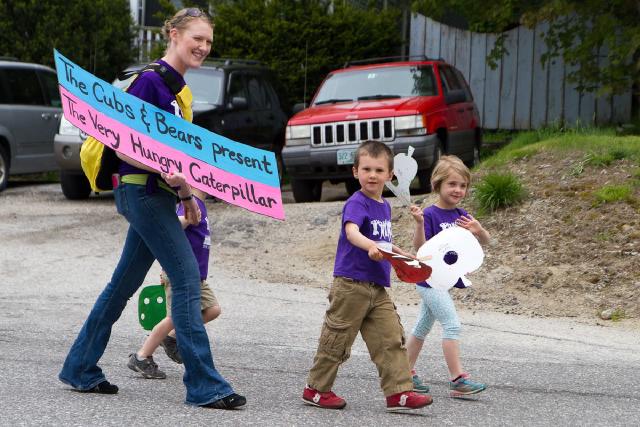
{"x": 418, "y": 234}
{"x": 356, "y": 238}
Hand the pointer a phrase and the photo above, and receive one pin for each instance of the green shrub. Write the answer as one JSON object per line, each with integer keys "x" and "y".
{"x": 497, "y": 191}
{"x": 613, "y": 193}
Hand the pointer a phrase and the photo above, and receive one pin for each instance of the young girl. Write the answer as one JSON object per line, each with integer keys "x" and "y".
{"x": 450, "y": 180}
{"x": 147, "y": 201}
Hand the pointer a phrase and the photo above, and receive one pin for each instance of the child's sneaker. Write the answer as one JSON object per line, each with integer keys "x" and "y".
{"x": 419, "y": 386}
{"x": 147, "y": 367}
{"x": 463, "y": 386}
{"x": 407, "y": 401}
{"x": 327, "y": 399}
{"x": 170, "y": 345}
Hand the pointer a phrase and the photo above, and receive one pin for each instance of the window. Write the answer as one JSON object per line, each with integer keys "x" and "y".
{"x": 236, "y": 87}
{"x": 50, "y": 84}
{"x": 257, "y": 96}
{"x": 24, "y": 86}
{"x": 449, "y": 79}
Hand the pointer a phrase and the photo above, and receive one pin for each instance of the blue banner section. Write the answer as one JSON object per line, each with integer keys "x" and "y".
{"x": 239, "y": 159}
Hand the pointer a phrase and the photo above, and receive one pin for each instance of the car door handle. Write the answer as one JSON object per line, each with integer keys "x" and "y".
{"x": 461, "y": 110}
{"x": 45, "y": 116}
{"x": 469, "y": 108}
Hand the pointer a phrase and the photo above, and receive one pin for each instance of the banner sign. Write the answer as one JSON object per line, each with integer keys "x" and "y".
{"x": 239, "y": 174}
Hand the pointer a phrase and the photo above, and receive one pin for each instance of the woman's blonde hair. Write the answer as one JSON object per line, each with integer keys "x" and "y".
{"x": 443, "y": 169}
{"x": 181, "y": 20}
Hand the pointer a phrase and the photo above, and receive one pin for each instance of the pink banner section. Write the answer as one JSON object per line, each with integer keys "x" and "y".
{"x": 251, "y": 195}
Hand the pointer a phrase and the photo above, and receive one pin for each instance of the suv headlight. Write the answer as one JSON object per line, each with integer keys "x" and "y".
{"x": 298, "y": 135}
{"x": 410, "y": 125}
{"x": 66, "y": 128}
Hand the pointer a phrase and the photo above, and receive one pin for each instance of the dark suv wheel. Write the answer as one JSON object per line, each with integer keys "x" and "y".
{"x": 4, "y": 168}
{"x": 306, "y": 190}
{"x": 74, "y": 186}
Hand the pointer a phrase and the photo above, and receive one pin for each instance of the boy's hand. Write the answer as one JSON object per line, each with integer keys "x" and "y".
{"x": 192, "y": 212}
{"x": 375, "y": 254}
{"x": 417, "y": 214}
{"x": 469, "y": 223}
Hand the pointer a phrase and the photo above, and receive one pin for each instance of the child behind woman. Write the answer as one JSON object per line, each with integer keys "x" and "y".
{"x": 199, "y": 237}
{"x": 450, "y": 180}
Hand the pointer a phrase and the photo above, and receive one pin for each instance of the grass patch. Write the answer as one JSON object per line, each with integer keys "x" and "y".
{"x": 53, "y": 176}
{"x": 497, "y": 191}
{"x": 613, "y": 193}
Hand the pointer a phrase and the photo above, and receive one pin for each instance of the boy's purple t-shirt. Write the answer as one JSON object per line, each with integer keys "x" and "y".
{"x": 374, "y": 221}
{"x": 437, "y": 219}
{"x": 199, "y": 237}
{"x": 150, "y": 87}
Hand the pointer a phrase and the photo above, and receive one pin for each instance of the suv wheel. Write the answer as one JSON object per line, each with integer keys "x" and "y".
{"x": 306, "y": 190}
{"x": 4, "y": 168}
{"x": 424, "y": 176}
{"x": 74, "y": 186}
{"x": 352, "y": 185}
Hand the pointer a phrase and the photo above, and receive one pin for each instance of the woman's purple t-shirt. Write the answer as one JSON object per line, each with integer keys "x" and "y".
{"x": 150, "y": 87}
{"x": 437, "y": 219}
{"x": 373, "y": 218}
{"x": 199, "y": 237}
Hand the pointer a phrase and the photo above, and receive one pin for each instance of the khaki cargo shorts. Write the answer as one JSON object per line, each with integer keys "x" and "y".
{"x": 207, "y": 298}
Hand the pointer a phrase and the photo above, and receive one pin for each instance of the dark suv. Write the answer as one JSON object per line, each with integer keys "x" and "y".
{"x": 234, "y": 98}
{"x": 29, "y": 110}
{"x": 423, "y": 103}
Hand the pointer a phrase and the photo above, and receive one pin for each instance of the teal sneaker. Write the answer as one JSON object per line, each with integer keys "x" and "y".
{"x": 419, "y": 386}
{"x": 463, "y": 386}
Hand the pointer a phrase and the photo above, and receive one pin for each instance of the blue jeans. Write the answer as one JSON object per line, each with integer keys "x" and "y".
{"x": 436, "y": 305}
{"x": 154, "y": 233}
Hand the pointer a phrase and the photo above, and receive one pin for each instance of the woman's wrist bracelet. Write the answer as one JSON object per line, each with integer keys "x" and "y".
{"x": 186, "y": 199}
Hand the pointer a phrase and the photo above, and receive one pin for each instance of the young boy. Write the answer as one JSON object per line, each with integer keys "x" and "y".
{"x": 358, "y": 299}
{"x": 163, "y": 334}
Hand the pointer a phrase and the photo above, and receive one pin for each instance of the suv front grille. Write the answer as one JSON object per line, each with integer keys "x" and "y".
{"x": 352, "y": 132}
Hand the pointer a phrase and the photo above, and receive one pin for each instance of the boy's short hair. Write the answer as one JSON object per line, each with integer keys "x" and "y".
{"x": 374, "y": 149}
{"x": 443, "y": 169}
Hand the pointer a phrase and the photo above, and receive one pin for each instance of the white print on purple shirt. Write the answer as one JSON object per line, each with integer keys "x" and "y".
{"x": 382, "y": 229}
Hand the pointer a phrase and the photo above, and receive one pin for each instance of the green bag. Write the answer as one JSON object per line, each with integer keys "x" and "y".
{"x": 152, "y": 306}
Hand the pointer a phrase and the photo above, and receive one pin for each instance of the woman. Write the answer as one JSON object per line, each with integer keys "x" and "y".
{"x": 147, "y": 200}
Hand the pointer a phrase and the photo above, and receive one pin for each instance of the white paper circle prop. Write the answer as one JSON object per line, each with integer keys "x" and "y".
{"x": 454, "y": 252}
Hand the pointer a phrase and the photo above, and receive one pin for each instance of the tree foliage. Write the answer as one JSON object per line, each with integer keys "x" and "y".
{"x": 601, "y": 37}
{"x": 95, "y": 34}
{"x": 291, "y": 35}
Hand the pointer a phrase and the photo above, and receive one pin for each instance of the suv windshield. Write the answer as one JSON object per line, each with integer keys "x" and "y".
{"x": 205, "y": 85}
{"x": 377, "y": 83}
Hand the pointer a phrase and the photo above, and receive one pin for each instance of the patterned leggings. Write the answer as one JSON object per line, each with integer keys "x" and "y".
{"x": 436, "y": 305}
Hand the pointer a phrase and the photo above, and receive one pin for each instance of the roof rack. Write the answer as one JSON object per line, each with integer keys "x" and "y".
{"x": 389, "y": 59}
{"x": 231, "y": 61}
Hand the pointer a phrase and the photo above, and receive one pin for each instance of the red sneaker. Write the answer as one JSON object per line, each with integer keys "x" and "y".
{"x": 327, "y": 399}
{"x": 407, "y": 401}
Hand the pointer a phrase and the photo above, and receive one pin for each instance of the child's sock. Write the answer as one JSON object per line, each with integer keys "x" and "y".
{"x": 139, "y": 359}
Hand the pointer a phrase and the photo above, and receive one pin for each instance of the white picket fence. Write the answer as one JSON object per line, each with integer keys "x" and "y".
{"x": 520, "y": 93}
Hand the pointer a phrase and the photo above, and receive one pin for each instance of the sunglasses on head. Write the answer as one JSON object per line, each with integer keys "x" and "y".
{"x": 194, "y": 12}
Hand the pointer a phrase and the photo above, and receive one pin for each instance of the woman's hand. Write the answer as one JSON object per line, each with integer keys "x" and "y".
{"x": 176, "y": 179}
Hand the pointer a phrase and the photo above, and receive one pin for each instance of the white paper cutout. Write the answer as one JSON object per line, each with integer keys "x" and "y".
{"x": 454, "y": 252}
{"x": 405, "y": 169}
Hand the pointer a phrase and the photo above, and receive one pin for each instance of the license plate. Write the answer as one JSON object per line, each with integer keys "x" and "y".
{"x": 346, "y": 157}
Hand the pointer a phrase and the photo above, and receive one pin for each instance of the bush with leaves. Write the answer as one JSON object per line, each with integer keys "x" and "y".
{"x": 291, "y": 35}
{"x": 95, "y": 34}
{"x": 497, "y": 191}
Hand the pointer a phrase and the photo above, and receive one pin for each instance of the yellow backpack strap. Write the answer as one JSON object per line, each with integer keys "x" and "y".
{"x": 185, "y": 99}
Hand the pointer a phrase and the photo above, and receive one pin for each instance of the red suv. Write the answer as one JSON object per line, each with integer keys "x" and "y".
{"x": 423, "y": 103}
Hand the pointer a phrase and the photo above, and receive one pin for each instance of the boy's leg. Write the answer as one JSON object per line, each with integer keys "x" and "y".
{"x": 349, "y": 302}
{"x": 383, "y": 333}
{"x": 159, "y": 333}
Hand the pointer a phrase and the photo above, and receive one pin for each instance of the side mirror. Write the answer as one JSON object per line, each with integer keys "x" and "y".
{"x": 455, "y": 96}
{"x": 238, "y": 103}
{"x": 298, "y": 107}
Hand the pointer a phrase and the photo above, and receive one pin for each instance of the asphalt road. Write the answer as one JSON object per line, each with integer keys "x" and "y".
{"x": 56, "y": 255}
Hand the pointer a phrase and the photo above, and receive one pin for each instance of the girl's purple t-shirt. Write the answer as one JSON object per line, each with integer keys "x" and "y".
{"x": 150, "y": 87}
{"x": 373, "y": 218}
{"x": 437, "y": 219}
{"x": 199, "y": 237}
